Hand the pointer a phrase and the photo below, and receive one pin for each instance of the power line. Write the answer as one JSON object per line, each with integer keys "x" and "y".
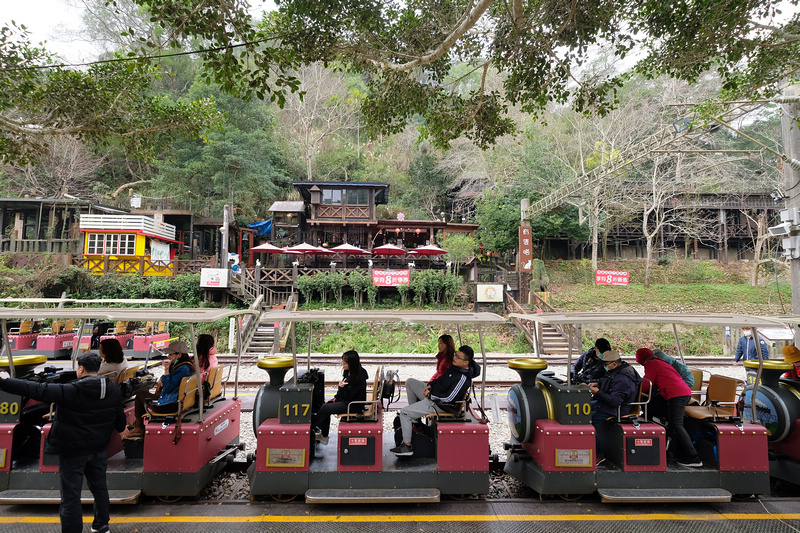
{"x": 134, "y": 58}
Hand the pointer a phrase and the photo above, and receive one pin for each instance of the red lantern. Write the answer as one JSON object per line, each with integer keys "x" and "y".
{"x": 417, "y": 231}
{"x": 397, "y": 231}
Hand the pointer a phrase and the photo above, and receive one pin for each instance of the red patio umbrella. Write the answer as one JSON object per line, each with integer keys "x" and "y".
{"x": 429, "y": 250}
{"x": 348, "y": 249}
{"x": 306, "y": 249}
{"x": 267, "y": 248}
{"x": 387, "y": 250}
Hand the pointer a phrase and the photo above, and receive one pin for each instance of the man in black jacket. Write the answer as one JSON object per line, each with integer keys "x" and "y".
{"x": 445, "y": 390}
{"x": 88, "y": 410}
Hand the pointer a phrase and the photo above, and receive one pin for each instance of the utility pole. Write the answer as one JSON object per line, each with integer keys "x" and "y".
{"x": 791, "y": 176}
{"x": 224, "y": 230}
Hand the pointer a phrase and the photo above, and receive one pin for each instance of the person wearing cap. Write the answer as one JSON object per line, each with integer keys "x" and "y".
{"x": 673, "y": 395}
{"x": 792, "y": 355}
{"x": 619, "y": 386}
{"x": 588, "y": 367}
{"x": 176, "y": 367}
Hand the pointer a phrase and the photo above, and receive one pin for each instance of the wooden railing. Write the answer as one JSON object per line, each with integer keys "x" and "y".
{"x": 250, "y": 322}
{"x": 533, "y": 330}
{"x": 52, "y": 246}
{"x": 142, "y": 265}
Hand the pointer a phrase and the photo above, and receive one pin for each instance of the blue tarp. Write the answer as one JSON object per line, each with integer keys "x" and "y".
{"x": 263, "y": 228}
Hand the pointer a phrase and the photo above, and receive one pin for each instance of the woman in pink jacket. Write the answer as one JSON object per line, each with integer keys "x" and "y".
{"x": 206, "y": 354}
{"x": 674, "y": 394}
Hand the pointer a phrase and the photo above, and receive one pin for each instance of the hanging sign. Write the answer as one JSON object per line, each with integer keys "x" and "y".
{"x": 525, "y": 248}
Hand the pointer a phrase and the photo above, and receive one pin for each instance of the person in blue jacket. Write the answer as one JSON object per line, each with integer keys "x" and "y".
{"x": 747, "y": 347}
{"x": 177, "y": 366}
{"x": 619, "y": 386}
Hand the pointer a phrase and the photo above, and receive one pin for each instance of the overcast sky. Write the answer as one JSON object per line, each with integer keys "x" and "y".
{"x": 51, "y": 20}
{"x": 45, "y": 20}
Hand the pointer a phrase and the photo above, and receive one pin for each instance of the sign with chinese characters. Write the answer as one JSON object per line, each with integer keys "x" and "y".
{"x": 286, "y": 457}
{"x": 390, "y": 278}
{"x": 214, "y": 277}
{"x": 575, "y": 458}
{"x": 490, "y": 293}
{"x": 611, "y": 277}
{"x": 525, "y": 248}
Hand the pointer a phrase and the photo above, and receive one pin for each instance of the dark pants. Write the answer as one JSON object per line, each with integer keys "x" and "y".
{"x": 71, "y": 471}
{"x": 673, "y": 410}
{"x": 139, "y": 408}
{"x": 322, "y": 419}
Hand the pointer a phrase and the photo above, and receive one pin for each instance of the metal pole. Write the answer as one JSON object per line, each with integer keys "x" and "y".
{"x": 458, "y": 333}
{"x": 758, "y": 375}
{"x": 193, "y": 347}
{"x": 4, "y": 326}
{"x": 483, "y": 374}
{"x": 238, "y": 355}
{"x": 294, "y": 354}
{"x": 677, "y": 340}
{"x": 308, "y": 357}
{"x": 569, "y": 359}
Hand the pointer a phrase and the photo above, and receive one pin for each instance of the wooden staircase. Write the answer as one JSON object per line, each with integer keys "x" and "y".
{"x": 262, "y": 341}
{"x": 552, "y": 339}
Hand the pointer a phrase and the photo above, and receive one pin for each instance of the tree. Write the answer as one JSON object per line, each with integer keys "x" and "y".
{"x": 106, "y": 104}
{"x": 460, "y": 248}
{"x": 323, "y": 110}
{"x": 67, "y": 167}
{"x": 408, "y": 52}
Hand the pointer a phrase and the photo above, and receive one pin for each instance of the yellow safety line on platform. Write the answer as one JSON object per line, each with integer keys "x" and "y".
{"x": 413, "y": 518}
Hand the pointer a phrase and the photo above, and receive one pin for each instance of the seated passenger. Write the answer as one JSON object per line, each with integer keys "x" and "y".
{"x": 792, "y": 355}
{"x": 415, "y": 389}
{"x": 176, "y": 367}
{"x": 670, "y": 403}
{"x": 206, "y": 354}
{"x": 352, "y": 388}
{"x": 444, "y": 391}
{"x": 680, "y": 368}
{"x": 589, "y": 367}
{"x": 114, "y": 361}
{"x": 619, "y": 386}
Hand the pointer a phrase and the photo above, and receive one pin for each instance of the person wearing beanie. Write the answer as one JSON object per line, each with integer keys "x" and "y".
{"x": 673, "y": 396}
{"x": 792, "y": 355}
{"x": 588, "y": 367}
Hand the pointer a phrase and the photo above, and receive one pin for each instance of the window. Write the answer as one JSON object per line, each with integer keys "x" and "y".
{"x": 332, "y": 196}
{"x": 357, "y": 197}
{"x": 111, "y": 244}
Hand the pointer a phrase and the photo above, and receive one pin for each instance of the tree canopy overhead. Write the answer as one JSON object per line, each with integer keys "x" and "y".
{"x": 407, "y": 51}
{"x": 106, "y": 103}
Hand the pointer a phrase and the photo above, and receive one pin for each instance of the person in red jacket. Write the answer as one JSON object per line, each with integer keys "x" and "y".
{"x": 673, "y": 396}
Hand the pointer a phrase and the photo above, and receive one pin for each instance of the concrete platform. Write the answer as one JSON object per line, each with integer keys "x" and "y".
{"x": 584, "y": 516}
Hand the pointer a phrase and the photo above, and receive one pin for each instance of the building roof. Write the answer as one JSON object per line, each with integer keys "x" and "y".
{"x": 287, "y": 207}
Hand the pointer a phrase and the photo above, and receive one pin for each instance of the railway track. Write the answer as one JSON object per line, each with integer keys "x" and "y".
{"x": 427, "y": 359}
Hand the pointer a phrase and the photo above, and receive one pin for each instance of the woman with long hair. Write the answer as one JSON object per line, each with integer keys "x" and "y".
{"x": 206, "y": 352}
{"x": 415, "y": 389}
{"x": 352, "y": 388}
{"x": 114, "y": 361}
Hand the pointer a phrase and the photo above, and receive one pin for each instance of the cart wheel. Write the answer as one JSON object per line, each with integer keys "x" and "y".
{"x": 570, "y": 498}
{"x": 283, "y": 498}
{"x": 168, "y": 499}
{"x": 458, "y": 497}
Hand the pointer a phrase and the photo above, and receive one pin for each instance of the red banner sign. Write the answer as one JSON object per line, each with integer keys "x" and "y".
{"x": 525, "y": 248}
{"x": 390, "y": 278}
{"x": 611, "y": 277}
